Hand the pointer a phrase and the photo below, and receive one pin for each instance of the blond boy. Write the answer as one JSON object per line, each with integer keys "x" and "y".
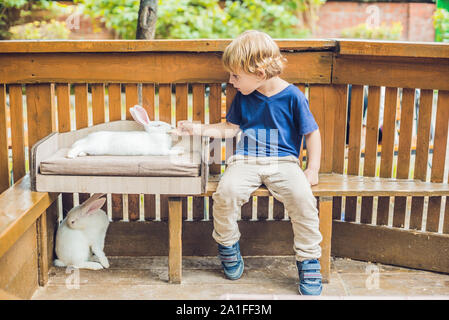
{"x": 272, "y": 116}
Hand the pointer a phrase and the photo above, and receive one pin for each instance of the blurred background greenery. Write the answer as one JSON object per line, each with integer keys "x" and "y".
{"x": 193, "y": 19}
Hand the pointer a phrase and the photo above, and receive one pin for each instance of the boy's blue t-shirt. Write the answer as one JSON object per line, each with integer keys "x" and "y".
{"x": 271, "y": 126}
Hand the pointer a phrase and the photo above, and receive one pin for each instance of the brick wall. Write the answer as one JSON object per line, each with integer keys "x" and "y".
{"x": 416, "y": 18}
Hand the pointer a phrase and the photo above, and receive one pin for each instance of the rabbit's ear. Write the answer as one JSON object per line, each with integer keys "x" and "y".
{"x": 94, "y": 206}
{"x": 140, "y": 115}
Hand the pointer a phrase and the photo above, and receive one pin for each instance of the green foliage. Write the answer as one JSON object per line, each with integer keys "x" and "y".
{"x": 441, "y": 24}
{"x": 118, "y": 15}
{"x": 382, "y": 32}
{"x": 194, "y": 19}
{"x": 40, "y": 30}
{"x": 15, "y": 12}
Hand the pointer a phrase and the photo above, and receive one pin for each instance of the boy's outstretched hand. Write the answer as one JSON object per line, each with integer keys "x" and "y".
{"x": 312, "y": 176}
{"x": 186, "y": 127}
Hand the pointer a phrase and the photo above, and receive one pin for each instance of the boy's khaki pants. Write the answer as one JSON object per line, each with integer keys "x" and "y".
{"x": 286, "y": 181}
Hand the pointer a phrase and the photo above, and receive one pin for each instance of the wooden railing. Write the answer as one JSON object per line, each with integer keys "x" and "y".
{"x": 48, "y": 86}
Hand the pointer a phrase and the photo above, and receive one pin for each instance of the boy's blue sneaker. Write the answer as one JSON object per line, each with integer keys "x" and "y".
{"x": 309, "y": 277}
{"x": 231, "y": 260}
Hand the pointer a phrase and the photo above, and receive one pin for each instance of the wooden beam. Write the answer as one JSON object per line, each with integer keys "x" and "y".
{"x": 149, "y": 67}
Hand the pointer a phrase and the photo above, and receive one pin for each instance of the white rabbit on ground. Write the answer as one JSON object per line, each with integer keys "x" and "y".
{"x": 155, "y": 140}
{"x": 80, "y": 237}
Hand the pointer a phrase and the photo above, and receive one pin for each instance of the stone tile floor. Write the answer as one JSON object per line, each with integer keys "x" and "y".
{"x": 273, "y": 277}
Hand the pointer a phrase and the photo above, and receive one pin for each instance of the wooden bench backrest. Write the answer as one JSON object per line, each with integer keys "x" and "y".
{"x": 57, "y": 79}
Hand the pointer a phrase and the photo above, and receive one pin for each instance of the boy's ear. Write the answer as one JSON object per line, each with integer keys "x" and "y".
{"x": 260, "y": 73}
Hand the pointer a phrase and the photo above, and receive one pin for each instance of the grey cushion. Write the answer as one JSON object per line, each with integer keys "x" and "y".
{"x": 186, "y": 165}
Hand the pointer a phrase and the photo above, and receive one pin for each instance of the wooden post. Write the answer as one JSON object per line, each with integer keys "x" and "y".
{"x": 174, "y": 239}
{"x": 42, "y": 249}
{"x": 325, "y": 212}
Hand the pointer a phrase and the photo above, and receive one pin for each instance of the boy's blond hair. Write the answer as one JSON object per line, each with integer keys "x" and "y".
{"x": 253, "y": 51}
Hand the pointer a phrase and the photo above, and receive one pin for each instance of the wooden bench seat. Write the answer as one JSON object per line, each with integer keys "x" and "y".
{"x": 330, "y": 185}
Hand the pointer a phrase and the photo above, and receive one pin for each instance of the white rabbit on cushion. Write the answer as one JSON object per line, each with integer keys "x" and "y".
{"x": 155, "y": 140}
{"x": 80, "y": 237}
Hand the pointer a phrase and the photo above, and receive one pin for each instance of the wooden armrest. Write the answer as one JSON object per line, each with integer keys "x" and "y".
{"x": 19, "y": 209}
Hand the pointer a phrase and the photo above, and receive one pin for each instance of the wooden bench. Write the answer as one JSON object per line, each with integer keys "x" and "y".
{"x": 330, "y": 185}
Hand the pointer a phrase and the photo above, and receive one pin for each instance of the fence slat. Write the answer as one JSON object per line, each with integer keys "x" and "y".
{"x": 132, "y": 98}
{"x": 63, "y": 106}
{"x": 115, "y": 113}
{"x": 40, "y": 112}
{"x": 215, "y": 117}
{"x": 438, "y": 158}
{"x": 181, "y": 113}
{"x": 4, "y": 170}
{"x": 371, "y": 137}
{"x": 64, "y": 125}
{"x": 148, "y": 99}
{"x": 165, "y": 105}
{"x": 355, "y": 131}
{"x": 98, "y": 111}
{"x": 148, "y": 103}
{"x": 422, "y": 154}
{"x": 81, "y": 115}
{"x": 404, "y": 148}
{"x": 198, "y": 93}
{"x": 338, "y": 162}
{"x": 17, "y": 131}
{"x": 81, "y": 105}
{"x": 387, "y": 153}
{"x": 115, "y": 101}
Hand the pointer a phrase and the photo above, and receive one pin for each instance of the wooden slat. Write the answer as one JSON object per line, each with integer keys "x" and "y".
{"x": 262, "y": 208}
{"x": 355, "y": 131}
{"x": 422, "y": 153}
{"x": 446, "y": 217}
{"x": 98, "y": 111}
{"x": 215, "y": 117}
{"x": 230, "y": 144}
{"x": 176, "y": 45}
{"x": 17, "y": 131}
{"x": 278, "y": 209}
{"x": 371, "y": 137}
{"x": 438, "y": 158}
{"x": 115, "y": 111}
{"x": 81, "y": 105}
{"x": 322, "y": 99}
{"x": 63, "y": 106}
{"x": 165, "y": 105}
{"x": 4, "y": 170}
{"x": 386, "y": 160}
{"x": 338, "y": 161}
{"x": 132, "y": 99}
{"x": 391, "y": 72}
{"x": 148, "y": 99}
{"x": 302, "y": 88}
{"x": 182, "y": 114}
{"x": 148, "y": 103}
{"x": 404, "y": 148}
{"x": 393, "y": 48}
{"x": 81, "y": 117}
{"x": 115, "y": 101}
{"x": 40, "y": 112}
{"x": 198, "y": 93}
{"x": 142, "y": 67}
{"x": 333, "y": 184}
